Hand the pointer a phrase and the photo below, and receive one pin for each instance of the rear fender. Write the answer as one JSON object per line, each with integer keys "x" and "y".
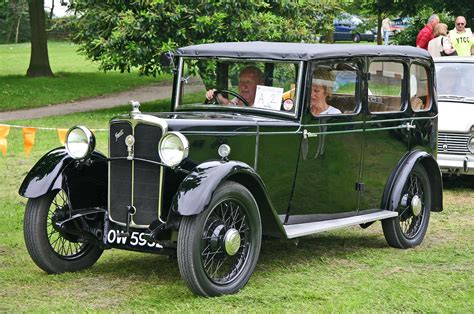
{"x": 195, "y": 192}
{"x": 393, "y": 190}
{"x": 85, "y": 182}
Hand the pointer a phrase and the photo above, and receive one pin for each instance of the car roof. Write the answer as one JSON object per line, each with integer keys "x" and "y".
{"x": 296, "y": 51}
{"x": 453, "y": 59}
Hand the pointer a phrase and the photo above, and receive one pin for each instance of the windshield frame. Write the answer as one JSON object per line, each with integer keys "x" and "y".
{"x": 177, "y": 106}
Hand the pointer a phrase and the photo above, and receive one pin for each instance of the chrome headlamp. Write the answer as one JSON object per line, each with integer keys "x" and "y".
{"x": 470, "y": 144}
{"x": 173, "y": 148}
{"x": 80, "y": 142}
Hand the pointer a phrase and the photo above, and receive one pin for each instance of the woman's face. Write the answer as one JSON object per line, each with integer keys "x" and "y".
{"x": 318, "y": 95}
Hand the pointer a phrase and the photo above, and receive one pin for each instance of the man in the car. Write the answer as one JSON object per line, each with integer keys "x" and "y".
{"x": 249, "y": 78}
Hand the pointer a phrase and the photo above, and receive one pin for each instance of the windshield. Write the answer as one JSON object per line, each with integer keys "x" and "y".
{"x": 455, "y": 79}
{"x": 235, "y": 84}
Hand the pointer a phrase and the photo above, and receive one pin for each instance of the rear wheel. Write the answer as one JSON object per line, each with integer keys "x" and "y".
{"x": 409, "y": 228}
{"x": 52, "y": 249}
{"x": 218, "y": 248}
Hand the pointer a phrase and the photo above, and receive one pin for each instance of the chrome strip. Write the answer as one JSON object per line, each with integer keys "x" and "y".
{"x": 257, "y": 140}
{"x": 178, "y": 85}
{"x": 371, "y": 121}
{"x": 214, "y": 133}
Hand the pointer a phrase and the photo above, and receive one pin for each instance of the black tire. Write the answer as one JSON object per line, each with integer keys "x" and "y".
{"x": 206, "y": 264}
{"x": 356, "y": 38}
{"x": 409, "y": 228}
{"x": 51, "y": 250}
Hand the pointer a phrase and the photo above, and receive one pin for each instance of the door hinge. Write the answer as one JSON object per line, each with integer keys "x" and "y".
{"x": 359, "y": 186}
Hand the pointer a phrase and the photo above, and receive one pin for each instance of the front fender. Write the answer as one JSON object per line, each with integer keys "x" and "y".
{"x": 195, "y": 192}
{"x": 57, "y": 170}
{"x": 400, "y": 176}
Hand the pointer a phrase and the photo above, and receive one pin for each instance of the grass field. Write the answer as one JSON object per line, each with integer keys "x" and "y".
{"x": 346, "y": 270}
{"x": 75, "y": 78}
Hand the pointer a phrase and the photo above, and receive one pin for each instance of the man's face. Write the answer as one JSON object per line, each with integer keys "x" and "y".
{"x": 435, "y": 22}
{"x": 460, "y": 24}
{"x": 248, "y": 82}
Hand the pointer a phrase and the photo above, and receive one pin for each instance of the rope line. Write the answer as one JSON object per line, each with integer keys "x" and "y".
{"x": 44, "y": 128}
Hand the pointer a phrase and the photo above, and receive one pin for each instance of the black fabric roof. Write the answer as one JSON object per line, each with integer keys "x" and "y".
{"x": 295, "y": 51}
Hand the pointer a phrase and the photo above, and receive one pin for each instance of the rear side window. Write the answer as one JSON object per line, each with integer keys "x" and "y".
{"x": 419, "y": 88}
{"x": 334, "y": 89}
{"x": 385, "y": 86}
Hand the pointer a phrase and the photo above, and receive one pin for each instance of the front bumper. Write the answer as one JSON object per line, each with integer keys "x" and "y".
{"x": 456, "y": 164}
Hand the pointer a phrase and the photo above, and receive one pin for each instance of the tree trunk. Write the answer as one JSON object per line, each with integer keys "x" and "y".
{"x": 17, "y": 29}
{"x": 379, "y": 27}
{"x": 52, "y": 9}
{"x": 39, "y": 60}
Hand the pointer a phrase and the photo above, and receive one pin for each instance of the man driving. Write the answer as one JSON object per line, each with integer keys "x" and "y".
{"x": 249, "y": 78}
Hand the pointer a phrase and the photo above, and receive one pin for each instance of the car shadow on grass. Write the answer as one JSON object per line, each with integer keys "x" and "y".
{"x": 151, "y": 267}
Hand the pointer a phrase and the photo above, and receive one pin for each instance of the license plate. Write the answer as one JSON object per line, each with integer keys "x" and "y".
{"x": 134, "y": 239}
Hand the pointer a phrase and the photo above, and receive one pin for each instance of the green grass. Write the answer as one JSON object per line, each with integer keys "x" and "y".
{"x": 75, "y": 78}
{"x": 346, "y": 270}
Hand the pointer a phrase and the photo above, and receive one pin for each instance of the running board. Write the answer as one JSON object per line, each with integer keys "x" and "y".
{"x": 299, "y": 230}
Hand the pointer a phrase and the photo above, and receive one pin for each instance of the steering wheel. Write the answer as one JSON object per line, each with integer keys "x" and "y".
{"x": 225, "y": 91}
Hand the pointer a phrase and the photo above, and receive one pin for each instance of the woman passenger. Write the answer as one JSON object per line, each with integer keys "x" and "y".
{"x": 321, "y": 88}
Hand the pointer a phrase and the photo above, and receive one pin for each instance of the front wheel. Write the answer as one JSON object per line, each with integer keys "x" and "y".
{"x": 218, "y": 248}
{"x": 51, "y": 249}
{"x": 409, "y": 228}
{"x": 356, "y": 38}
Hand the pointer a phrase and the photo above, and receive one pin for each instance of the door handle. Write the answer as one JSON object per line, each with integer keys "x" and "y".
{"x": 307, "y": 134}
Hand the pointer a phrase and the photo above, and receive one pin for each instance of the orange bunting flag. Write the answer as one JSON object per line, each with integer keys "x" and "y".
{"x": 62, "y": 135}
{"x": 28, "y": 139}
{"x": 4, "y": 130}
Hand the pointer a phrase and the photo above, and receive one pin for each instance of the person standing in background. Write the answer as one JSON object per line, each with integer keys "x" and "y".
{"x": 426, "y": 34}
{"x": 440, "y": 45}
{"x": 461, "y": 37}
{"x": 386, "y": 30}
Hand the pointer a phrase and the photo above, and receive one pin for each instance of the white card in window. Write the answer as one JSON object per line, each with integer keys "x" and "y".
{"x": 268, "y": 97}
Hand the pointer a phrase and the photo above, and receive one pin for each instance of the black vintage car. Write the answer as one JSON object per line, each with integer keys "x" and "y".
{"x": 274, "y": 139}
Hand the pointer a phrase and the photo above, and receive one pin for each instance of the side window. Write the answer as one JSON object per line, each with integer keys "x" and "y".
{"x": 385, "y": 86}
{"x": 419, "y": 88}
{"x": 333, "y": 89}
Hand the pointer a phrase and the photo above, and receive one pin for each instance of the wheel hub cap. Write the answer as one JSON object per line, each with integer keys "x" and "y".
{"x": 232, "y": 241}
{"x": 416, "y": 205}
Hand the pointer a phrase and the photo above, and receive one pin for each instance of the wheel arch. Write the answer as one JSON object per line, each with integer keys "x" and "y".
{"x": 85, "y": 182}
{"x": 392, "y": 192}
{"x": 195, "y": 192}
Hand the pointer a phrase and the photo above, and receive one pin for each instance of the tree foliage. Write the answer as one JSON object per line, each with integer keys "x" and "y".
{"x": 125, "y": 34}
{"x": 14, "y": 21}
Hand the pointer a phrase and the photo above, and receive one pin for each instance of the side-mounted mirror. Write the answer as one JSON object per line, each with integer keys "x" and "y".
{"x": 167, "y": 59}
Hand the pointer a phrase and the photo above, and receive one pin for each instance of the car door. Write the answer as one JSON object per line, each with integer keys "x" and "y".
{"x": 387, "y": 127}
{"x": 329, "y": 162}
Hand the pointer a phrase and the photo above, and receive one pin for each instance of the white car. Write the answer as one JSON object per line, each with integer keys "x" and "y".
{"x": 455, "y": 88}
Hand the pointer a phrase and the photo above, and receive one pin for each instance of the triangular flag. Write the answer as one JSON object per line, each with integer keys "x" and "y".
{"x": 62, "y": 135}
{"x": 28, "y": 139}
{"x": 4, "y": 130}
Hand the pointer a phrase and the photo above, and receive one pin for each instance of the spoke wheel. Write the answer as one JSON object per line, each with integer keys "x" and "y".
{"x": 52, "y": 249}
{"x": 218, "y": 248}
{"x": 409, "y": 228}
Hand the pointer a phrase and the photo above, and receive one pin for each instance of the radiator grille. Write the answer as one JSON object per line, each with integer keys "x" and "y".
{"x": 135, "y": 182}
{"x": 454, "y": 143}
